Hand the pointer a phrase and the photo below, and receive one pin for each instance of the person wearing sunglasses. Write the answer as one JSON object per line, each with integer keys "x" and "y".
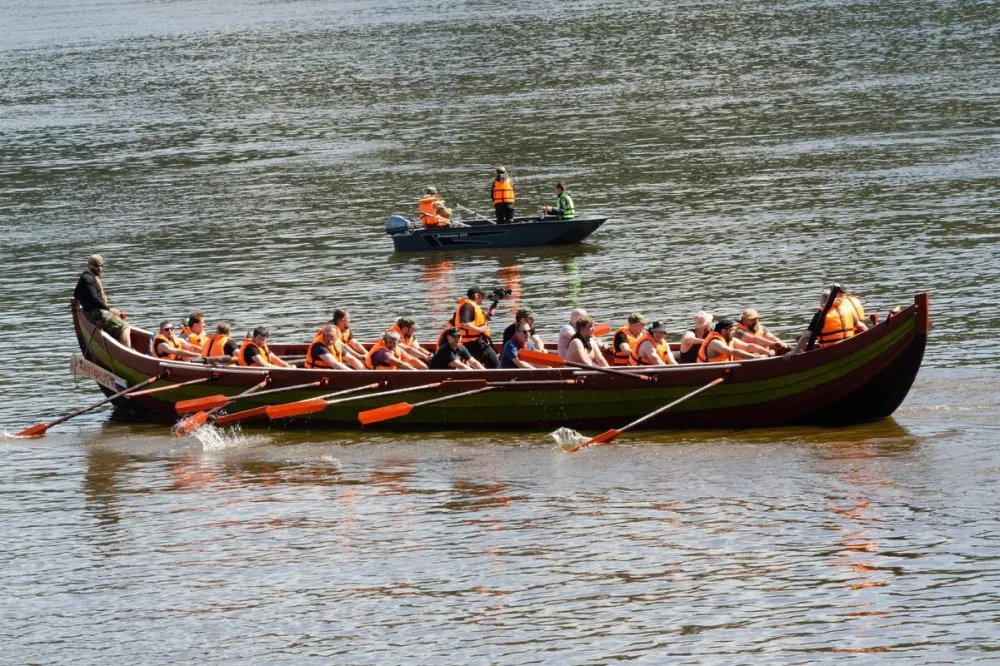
{"x": 168, "y": 347}
{"x": 521, "y": 340}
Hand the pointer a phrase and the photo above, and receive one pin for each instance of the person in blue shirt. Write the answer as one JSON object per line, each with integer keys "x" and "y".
{"x": 521, "y": 340}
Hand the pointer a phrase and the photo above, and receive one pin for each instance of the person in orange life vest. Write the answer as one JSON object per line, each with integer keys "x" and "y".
{"x": 386, "y": 354}
{"x": 193, "y": 335}
{"x": 626, "y": 337}
{"x": 254, "y": 351}
{"x": 502, "y": 191}
{"x": 583, "y": 347}
{"x": 168, "y": 347}
{"x": 859, "y": 309}
{"x": 469, "y": 317}
{"x": 433, "y": 212}
{"x": 839, "y": 324}
{"x": 326, "y": 350}
{"x": 219, "y": 347}
{"x": 693, "y": 337}
{"x": 651, "y": 348}
{"x": 749, "y": 330}
{"x": 718, "y": 345}
{"x": 352, "y": 348}
{"x": 412, "y": 351}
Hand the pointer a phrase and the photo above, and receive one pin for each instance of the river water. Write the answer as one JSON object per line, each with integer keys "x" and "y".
{"x": 240, "y": 158}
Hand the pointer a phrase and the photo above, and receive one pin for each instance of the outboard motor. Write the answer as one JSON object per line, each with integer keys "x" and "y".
{"x": 397, "y": 224}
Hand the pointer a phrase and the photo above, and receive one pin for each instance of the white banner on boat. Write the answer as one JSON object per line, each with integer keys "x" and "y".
{"x": 81, "y": 367}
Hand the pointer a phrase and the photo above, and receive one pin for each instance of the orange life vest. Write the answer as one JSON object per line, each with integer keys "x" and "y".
{"x": 397, "y": 353}
{"x": 859, "y": 310}
{"x": 621, "y": 358}
{"x": 662, "y": 349}
{"x": 839, "y": 323}
{"x": 468, "y": 335}
{"x": 760, "y": 332}
{"x": 191, "y": 336}
{"x": 262, "y": 349}
{"x": 173, "y": 341}
{"x": 214, "y": 345}
{"x": 503, "y": 192}
{"x": 429, "y": 215}
{"x": 719, "y": 358}
{"x": 405, "y": 340}
{"x": 313, "y": 361}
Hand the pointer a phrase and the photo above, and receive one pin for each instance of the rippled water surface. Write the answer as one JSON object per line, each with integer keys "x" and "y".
{"x": 240, "y": 158}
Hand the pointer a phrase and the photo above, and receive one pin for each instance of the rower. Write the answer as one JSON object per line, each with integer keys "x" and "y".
{"x": 583, "y": 347}
{"x": 502, "y": 191}
{"x": 412, "y": 351}
{"x": 692, "y": 338}
{"x": 526, "y": 315}
{"x": 567, "y": 331}
{"x": 168, "y": 347}
{"x": 194, "y": 333}
{"x": 563, "y": 209}
{"x": 433, "y": 212}
{"x": 352, "y": 348}
{"x": 626, "y": 337}
{"x": 469, "y": 317}
{"x": 751, "y": 331}
{"x": 386, "y": 354}
{"x": 452, "y": 354}
{"x": 839, "y": 324}
{"x": 509, "y": 359}
{"x": 254, "y": 351}
{"x": 219, "y": 346}
{"x": 89, "y": 293}
{"x": 718, "y": 345}
{"x": 651, "y": 348}
{"x": 859, "y": 309}
{"x": 326, "y": 350}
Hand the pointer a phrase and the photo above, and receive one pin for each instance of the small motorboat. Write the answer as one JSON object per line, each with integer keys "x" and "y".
{"x": 408, "y": 236}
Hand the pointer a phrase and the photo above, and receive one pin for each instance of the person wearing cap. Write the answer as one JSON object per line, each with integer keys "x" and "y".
{"x": 749, "y": 330}
{"x": 93, "y": 300}
{"x": 718, "y": 345}
{"x": 626, "y": 338}
{"x": 583, "y": 347}
{"x": 651, "y": 348}
{"x": 326, "y": 351}
{"x": 526, "y": 315}
{"x": 502, "y": 191}
{"x": 509, "y": 358}
{"x": 354, "y": 351}
{"x": 452, "y": 354}
{"x": 469, "y": 317}
{"x": 413, "y": 353}
{"x": 563, "y": 209}
{"x": 433, "y": 212}
{"x": 693, "y": 337}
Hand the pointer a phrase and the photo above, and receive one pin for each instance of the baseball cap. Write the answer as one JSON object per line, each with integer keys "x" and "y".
{"x": 750, "y": 313}
{"x": 95, "y": 260}
{"x": 475, "y": 290}
{"x": 636, "y": 318}
{"x": 657, "y": 326}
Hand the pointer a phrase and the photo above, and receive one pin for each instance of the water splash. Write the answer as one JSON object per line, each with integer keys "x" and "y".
{"x": 567, "y": 437}
{"x": 227, "y": 439}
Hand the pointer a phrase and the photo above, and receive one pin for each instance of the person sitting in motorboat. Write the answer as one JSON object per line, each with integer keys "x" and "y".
{"x": 693, "y": 337}
{"x": 751, "y": 331}
{"x": 89, "y": 293}
{"x": 386, "y": 354}
{"x": 412, "y": 351}
{"x": 563, "y": 209}
{"x": 254, "y": 351}
{"x": 718, "y": 345}
{"x": 583, "y": 347}
{"x": 168, "y": 347}
{"x": 219, "y": 347}
{"x": 838, "y": 324}
{"x": 526, "y": 315}
{"x": 652, "y": 348}
{"x": 626, "y": 337}
{"x": 452, "y": 354}
{"x": 502, "y": 191}
{"x": 326, "y": 350}
{"x": 521, "y": 340}
{"x": 354, "y": 351}
{"x": 433, "y": 212}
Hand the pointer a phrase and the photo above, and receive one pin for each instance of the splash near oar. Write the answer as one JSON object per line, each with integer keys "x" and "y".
{"x": 609, "y": 436}
{"x": 41, "y": 428}
{"x": 201, "y": 418}
{"x": 546, "y": 360}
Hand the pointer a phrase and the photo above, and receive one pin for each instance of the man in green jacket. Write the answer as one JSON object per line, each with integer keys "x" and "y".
{"x": 564, "y": 204}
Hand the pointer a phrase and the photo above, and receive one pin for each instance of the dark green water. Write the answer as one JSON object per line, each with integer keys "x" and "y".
{"x": 240, "y": 159}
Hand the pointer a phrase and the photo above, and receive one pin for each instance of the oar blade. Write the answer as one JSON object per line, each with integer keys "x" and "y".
{"x": 540, "y": 358}
{"x": 192, "y": 422}
{"x": 370, "y": 416}
{"x": 604, "y": 438}
{"x": 601, "y": 329}
{"x": 200, "y": 404}
{"x": 229, "y": 419}
{"x": 299, "y": 408}
{"x": 37, "y": 429}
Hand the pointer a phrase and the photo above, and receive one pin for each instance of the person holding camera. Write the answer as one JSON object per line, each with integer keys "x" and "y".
{"x": 474, "y": 323}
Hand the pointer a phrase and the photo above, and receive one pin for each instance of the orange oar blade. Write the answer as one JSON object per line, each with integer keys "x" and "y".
{"x": 37, "y": 429}
{"x": 192, "y": 422}
{"x": 385, "y": 413}
{"x": 540, "y": 358}
{"x": 604, "y": 438}
{"x": 602, "y": 329}
{"x": 296, "y": 408}
{"x": 255, "y": 413}
{"x": 200, "y": 404}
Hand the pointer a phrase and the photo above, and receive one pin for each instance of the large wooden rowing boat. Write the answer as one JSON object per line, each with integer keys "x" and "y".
{"x": 861, "y": 379}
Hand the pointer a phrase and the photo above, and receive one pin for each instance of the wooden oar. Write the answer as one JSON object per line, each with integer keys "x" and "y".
{"x": 259, "y": 412}
{"x": 319, "y": 404}
{"x": 213, "y": 401}
{"x": 200, "y": 418}
{"x": 610, "y": 435}
{"x": 40, "y": 428}
{"x": 834, "y": 290}
{"x": 601, "y": 329}
{"x": 555, "y": 361}
{"x": 161, "y": 389}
